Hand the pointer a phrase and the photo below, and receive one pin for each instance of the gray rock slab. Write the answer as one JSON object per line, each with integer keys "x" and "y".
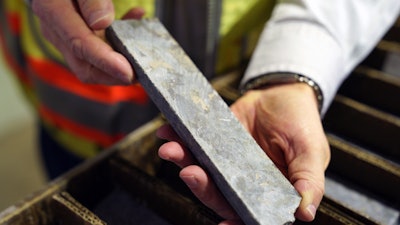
{"x": 242, "y": 171}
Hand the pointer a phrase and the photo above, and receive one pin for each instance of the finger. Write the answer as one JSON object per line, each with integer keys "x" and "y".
{"x": 135, "y": 13}
{"x": 205, "y": 190}
{"x": 80, "y": 42}
{"x": 99, "y": 57}
{"x": 85, "y": 71}
{"x": 166, "y": 132}
{"x": 94, "y": 50}
{"x": 89, "y": 74}
{"x": 174, "y": 150}
{"x": 176, "y": 153}
{"x": 98, "y": 14}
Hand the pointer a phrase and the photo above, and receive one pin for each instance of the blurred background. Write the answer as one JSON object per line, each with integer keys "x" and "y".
{"x": 20, "y": 167}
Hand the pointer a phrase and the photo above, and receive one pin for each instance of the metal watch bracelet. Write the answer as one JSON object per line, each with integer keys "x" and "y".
{"x": 284, "y": 78}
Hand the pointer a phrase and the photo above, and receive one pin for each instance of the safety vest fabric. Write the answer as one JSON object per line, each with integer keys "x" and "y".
{"x": 86, "y": 118}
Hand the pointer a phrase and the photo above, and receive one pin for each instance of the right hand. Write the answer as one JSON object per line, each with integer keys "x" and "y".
{"x": 76, "y": 29}
{"x": 285, "y": 122}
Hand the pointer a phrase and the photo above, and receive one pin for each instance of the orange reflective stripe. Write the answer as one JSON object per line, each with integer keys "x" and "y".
{"x": 10, "y": 55}
{"x": 101, "y": 138}
{"x": 60, "y": 77}
{"x": 14, "y": 21}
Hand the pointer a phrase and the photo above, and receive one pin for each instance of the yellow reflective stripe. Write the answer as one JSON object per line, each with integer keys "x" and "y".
{"x": 231, "y": 11}
{"x": 240, "y": 19}
{"x": 121, "y": 7}
{"x": 79, "y": 146}
{"x": 14, "y": 5}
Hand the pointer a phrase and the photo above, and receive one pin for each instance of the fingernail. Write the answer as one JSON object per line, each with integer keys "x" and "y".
{"x": 312, "y": 210}
{"x": 190, "y": 181}
{"x": 98, "y": 16}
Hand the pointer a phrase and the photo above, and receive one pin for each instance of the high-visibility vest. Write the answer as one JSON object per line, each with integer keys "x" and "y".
{"x": 87, "y": 118}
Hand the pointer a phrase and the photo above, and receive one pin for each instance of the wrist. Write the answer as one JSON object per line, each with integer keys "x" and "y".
{"x": 274, "y": 79}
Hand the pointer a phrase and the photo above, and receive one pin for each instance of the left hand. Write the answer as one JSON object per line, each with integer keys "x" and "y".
{"x": 285, "y": 121}
{"x": 77, "y": 30}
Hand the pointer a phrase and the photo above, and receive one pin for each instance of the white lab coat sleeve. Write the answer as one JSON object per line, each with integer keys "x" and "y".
{"x": 323, "y": 40}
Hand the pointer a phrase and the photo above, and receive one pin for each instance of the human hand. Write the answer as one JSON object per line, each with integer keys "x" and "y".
{"x": 195, "y": 177}
{"x": 285, "y": 122}
{"x": 76, "y": 29}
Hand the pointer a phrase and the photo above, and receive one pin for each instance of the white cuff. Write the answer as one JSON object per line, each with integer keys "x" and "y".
{"x": 303, "y": 49}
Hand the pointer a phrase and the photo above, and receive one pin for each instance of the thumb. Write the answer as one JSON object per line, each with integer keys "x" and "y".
{"x": 307, "y": 174}
{"x": 311, "y": 194}
{"x": 98, "y": 14}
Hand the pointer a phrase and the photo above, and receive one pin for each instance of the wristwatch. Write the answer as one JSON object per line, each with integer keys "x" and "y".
{"x": 284, "y": 78}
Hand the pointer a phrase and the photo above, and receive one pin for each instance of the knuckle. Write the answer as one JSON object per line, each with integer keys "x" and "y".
{"x": 77, "y": 47}
{"x": 101, "y": 64}
{"x": 88, "y": 7}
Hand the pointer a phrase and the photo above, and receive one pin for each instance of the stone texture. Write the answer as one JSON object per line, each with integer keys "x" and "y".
{"x": 245, "y": 175}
